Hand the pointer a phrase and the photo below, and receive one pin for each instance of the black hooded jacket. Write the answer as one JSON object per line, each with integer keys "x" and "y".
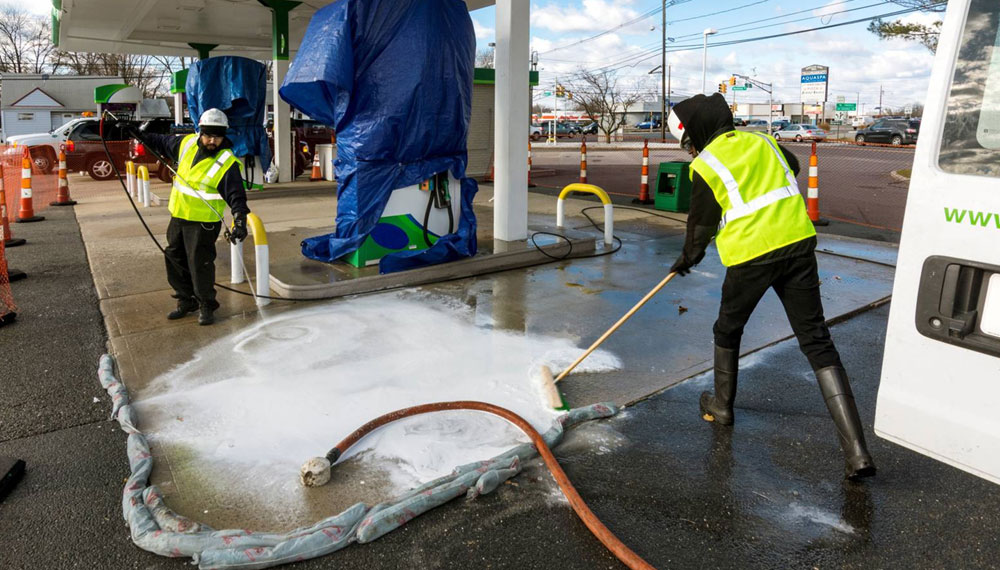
{"x": 230, "y": 187}
{"x": 705, "y": 118}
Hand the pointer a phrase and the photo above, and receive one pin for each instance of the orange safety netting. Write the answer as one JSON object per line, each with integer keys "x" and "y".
{"x": 44, "y": 185}
{"x": 7, "y": 307}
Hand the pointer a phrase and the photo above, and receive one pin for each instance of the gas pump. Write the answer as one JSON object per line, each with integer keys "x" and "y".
{"x": 415, "y": 217}
{"x": 941, "y": 368}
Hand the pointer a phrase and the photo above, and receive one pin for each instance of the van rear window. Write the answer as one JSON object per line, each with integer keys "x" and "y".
{"x": 970, "y": 143}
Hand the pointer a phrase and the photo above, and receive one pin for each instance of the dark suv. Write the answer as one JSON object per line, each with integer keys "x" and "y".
{"x": 892, "y": 131}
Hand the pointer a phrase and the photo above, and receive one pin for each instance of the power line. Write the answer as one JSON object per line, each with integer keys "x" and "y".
{"x": 650, "y": 49}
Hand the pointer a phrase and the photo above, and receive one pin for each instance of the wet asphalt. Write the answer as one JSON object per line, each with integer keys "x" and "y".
{"x": 681, "y": 492}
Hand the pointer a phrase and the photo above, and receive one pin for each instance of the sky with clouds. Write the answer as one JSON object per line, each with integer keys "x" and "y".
{"x": 624, "y": 36}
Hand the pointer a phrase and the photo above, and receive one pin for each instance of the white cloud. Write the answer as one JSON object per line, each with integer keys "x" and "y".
{"x": 828, "y": 10}
{"x": 592, "y": 16}
{"x": 482, "y": 32}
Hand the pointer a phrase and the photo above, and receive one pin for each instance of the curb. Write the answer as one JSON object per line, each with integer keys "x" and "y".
{"x": 895, "y": 175}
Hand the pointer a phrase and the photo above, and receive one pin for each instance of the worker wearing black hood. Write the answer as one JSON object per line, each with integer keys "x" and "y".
{"x": 744, "y": 194}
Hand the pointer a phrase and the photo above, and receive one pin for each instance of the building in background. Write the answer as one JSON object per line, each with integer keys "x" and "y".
{"x": 40, "y": 103}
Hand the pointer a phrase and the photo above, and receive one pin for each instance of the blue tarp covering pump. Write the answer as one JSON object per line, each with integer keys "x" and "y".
{"x": 394, "y": 78}
{"x": 238, "y": 87}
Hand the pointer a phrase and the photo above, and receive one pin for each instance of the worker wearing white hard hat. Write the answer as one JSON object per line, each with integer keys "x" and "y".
{"x": 208, "y": 179}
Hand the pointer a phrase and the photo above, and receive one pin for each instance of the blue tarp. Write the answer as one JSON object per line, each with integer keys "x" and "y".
{"x": 238, "y": 87}
{"x": 394, "y": 78}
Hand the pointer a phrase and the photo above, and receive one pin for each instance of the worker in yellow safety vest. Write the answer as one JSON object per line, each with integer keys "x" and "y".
{"x": 208, "y": 178}
{"x": 744, "y": 194}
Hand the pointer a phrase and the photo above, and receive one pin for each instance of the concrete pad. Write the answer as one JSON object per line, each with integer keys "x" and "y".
{"x": 668, "y": 340}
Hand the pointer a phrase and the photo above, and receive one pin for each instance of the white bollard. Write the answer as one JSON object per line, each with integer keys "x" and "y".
{"x": 142, "y": 184}
{"x": 609, "y": 224}
{"x": 263, "y": 275}
{"x": 560, "y": 212}
{"x": 236, "y": 266}
{"x": 130, "y": 181}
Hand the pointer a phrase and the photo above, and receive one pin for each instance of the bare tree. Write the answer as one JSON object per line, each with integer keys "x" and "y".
{"x": 485, "y": 58}
{"x": 25, "y": 45}
{"x": 601, "y": 97}
{"x": 146, "y": 72}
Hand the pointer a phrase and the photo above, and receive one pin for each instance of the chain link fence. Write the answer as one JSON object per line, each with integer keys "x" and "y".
{"x": 864, "y": 184}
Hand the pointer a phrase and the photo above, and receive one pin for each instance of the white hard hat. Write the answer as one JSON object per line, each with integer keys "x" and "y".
{"x": 675, "y": 126}
{"x": 213, "y": 118}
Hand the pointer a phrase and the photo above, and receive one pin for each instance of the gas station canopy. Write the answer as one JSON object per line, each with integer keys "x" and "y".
{"x": 170, "y": 27}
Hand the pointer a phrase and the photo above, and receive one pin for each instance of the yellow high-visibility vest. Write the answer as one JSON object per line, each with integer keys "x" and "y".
{"x": 762, "y": 209}
{"x": 195, "y": 193}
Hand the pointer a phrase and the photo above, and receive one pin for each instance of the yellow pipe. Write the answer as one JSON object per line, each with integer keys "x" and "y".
{"x": 130, "y": 167}
{"x": 143, "y": 173}
{"x": 257, "y": 229}
{"x": 587, "y": 189}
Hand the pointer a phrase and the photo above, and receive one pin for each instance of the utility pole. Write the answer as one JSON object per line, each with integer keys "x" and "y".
{"x": 881, "y": 111}
{"x": 663, "y": 74}
{"x": 668, "y": 85}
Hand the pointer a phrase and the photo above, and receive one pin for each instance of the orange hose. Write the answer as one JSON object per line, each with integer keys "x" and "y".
{"x": 609, "y": 540}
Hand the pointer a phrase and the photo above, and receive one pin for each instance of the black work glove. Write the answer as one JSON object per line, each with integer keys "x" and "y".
{"x": 239, "y": 231}
{"x": 682, "y": 266}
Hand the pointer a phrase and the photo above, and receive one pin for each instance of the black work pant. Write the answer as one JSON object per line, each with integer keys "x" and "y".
{"x": 190, "y": 258}
{"x": 796, "y": 281}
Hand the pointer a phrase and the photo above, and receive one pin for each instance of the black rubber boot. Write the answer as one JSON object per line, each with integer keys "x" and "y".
{"x": 184, "y": 308}
{"x": 719, "y": 407}
{"x": 840, "y": 401}
{"x": 206, "y": 316}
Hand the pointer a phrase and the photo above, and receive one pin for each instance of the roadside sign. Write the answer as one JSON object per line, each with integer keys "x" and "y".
{"x": 740, "y": 88}
{"x": 847, "y": 106}
{"x": 548, "y": 93}
{"x": 840, "y": 98}
{"x": 908, "y": 109}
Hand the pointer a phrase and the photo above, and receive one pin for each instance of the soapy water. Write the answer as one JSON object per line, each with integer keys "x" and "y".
{"x": 270, "y": 397}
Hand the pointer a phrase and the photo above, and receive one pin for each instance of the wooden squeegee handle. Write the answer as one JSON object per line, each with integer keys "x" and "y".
{"x": 615, "y": 326}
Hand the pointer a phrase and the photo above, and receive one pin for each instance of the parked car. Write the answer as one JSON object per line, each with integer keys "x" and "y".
{"x": 778, "y": 124}
{"x": 589, "y": 129}
{"x": 535, "y": 132}
{"x": 563, "y": 129}
{"x": 44, "y": 147}
{"x": 738, "y": 122}
{"x": 650, "y": 124}
{"x": 892, "y": 131}
{"x": 800, "y": 132}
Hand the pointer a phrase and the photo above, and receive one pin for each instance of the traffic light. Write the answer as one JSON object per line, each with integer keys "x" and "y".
{"x": 722, "y": 88}
{"x": 569, "y": 94}
{"x": 560, "y": 91}
{"x": 732, "y": 80}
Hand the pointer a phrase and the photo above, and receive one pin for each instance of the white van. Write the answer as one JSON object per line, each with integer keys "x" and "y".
{"x": 862, "y": 121}
{"x": 941, "y": 369}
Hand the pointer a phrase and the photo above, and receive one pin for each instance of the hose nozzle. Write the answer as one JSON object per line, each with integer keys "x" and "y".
{"x": 316, "y": 471}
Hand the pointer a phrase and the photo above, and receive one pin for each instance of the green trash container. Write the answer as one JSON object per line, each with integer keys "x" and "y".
{"x": 672, "y": 187}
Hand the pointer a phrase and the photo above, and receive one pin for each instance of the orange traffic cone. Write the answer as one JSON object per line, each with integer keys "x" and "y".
{"x": 62, "y": 197}
{"x": 317, "y": 171}
{"x": 8, "y": 237}
{"x": 27, "y": 211}
{"x": 644, "y": 180}
{"x": 812, "y": 194}
{"x": 583, "y": 161}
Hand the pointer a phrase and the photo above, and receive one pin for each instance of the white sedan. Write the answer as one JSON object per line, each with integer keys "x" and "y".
{"x": 799, "y": 132}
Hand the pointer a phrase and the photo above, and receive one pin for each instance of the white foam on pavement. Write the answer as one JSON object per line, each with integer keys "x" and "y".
{"x": 268, "y": 398}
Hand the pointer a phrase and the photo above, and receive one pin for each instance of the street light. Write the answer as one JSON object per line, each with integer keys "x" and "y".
{"x": 704, "y": 55}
